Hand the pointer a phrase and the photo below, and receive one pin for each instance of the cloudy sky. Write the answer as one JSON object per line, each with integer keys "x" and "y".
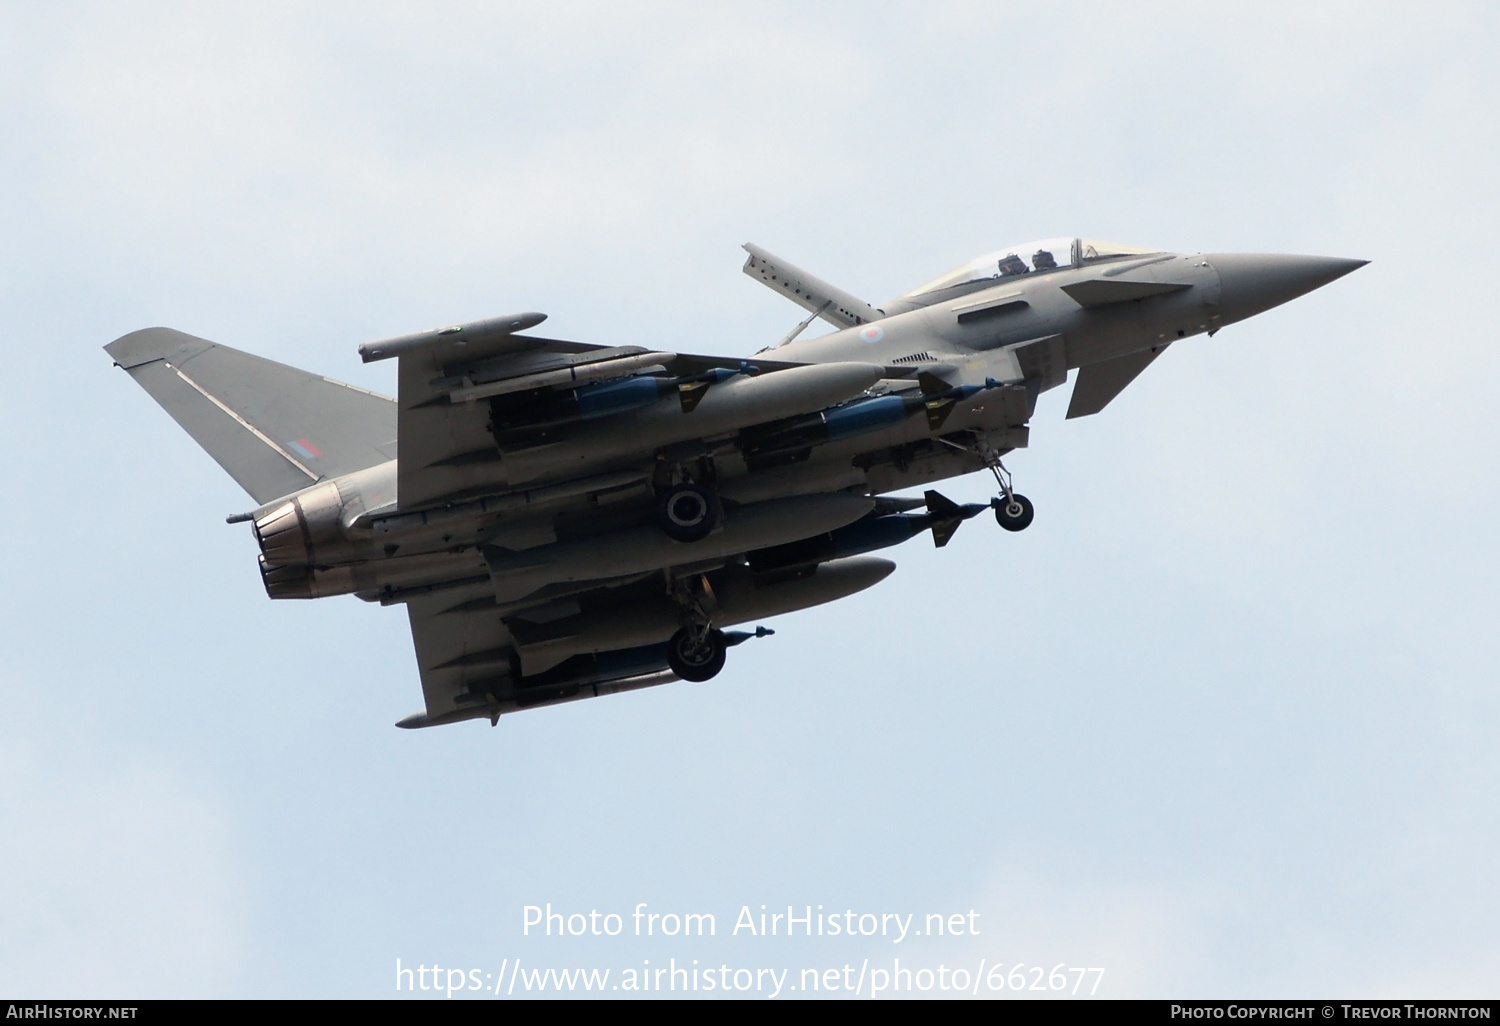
{"x": 1221, "y": 722}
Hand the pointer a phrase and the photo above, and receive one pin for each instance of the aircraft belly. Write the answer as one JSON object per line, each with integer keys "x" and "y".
{"x": 828, "y": 467}
{"x": 917, "y": 471}
{"x": 738, "y": 598}
{"x": 379, "y": 576}
{"x": 647, "y": 548}
{"x": 820, "y": 474}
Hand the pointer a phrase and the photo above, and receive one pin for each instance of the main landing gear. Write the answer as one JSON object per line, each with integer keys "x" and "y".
{"x": 688, "y": 512}
{"x": 697, "y": 651}
{"x": 687, "y": 504}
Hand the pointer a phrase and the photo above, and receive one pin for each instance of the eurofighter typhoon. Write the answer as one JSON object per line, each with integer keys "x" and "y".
{"x": 564, "y": 520}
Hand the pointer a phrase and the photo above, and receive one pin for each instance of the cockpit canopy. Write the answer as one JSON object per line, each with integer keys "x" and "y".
{"x": 1030, "y": 258}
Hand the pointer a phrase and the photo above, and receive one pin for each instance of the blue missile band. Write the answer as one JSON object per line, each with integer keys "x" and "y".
{"x": 873, "y": 533}
{"x": 626, "y": 662}
{"x": 617, "y": 397}
{"x": 635, "y": 393}
{"x": 878, "y": 532}
{"x": 866, "y": 415}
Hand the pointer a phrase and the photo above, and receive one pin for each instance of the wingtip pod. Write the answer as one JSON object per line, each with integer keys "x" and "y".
{"x": 418, "y": 720}
{"x": 457, "y": 335}
{"x": 946, "y": 515}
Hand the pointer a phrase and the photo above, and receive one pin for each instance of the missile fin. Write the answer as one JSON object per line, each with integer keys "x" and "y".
{"x": 943, "y": 530}
{"x": 940, "y": 505}
{"x": 937, "y": 413}
{"x": 931, "y": 383}
{"x": 690, "y": 395}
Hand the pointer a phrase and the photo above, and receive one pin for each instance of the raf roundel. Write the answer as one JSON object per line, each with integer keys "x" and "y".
{"x": 874, "y": 333}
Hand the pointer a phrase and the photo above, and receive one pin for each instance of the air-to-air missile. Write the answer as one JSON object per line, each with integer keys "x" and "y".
{"x": 591, "y": 675}
{"x": 762, "y": 445}
{"x": 736, "y": 597}
{"x": 539, "y": 407}
{"x": 567, "y": 520}
{"x": 877, "y": 530}
{"x": 741, "y": 402}
{"x": 625, "y": 646}
{"x": 621, "y": 553}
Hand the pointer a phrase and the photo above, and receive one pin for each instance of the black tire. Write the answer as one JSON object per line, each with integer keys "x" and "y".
{"x": 1014, "y": 519}
{"x": 688, "y": 512}
{"x": 696, "y": 663}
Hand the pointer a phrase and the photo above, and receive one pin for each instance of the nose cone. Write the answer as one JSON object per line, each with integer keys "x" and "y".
{"x": 1250, "y": 283}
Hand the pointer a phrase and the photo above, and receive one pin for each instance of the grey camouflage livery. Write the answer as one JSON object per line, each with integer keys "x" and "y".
{"x": 565, "y": 520}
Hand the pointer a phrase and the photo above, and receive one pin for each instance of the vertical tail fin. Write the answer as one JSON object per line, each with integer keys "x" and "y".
{"x": 273, "y": 428}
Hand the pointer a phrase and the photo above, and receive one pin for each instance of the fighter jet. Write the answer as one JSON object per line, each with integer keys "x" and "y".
{"x": 565, "y": 520}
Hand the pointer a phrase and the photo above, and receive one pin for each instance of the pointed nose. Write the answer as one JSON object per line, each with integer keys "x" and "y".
{"x": 1250, "y": 283}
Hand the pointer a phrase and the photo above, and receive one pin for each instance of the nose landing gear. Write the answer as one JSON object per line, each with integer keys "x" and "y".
{"x": 1013, "y": 511}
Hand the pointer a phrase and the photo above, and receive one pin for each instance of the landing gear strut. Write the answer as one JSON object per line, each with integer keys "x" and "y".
{"x": 1013, "y": 511}
{"x": 697, "y": 651}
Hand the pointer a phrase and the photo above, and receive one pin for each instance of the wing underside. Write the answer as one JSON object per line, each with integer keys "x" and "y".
{"x": 448, "y": 452}
{"x": 470, "y": 662}
{"x": 471, "y": 669}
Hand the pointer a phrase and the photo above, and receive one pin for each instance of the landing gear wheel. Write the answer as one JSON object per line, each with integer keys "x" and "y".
{"x": 696, "y": 657}
{"x": 688, "y": 512}
{"x": 1015, "y": 513}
